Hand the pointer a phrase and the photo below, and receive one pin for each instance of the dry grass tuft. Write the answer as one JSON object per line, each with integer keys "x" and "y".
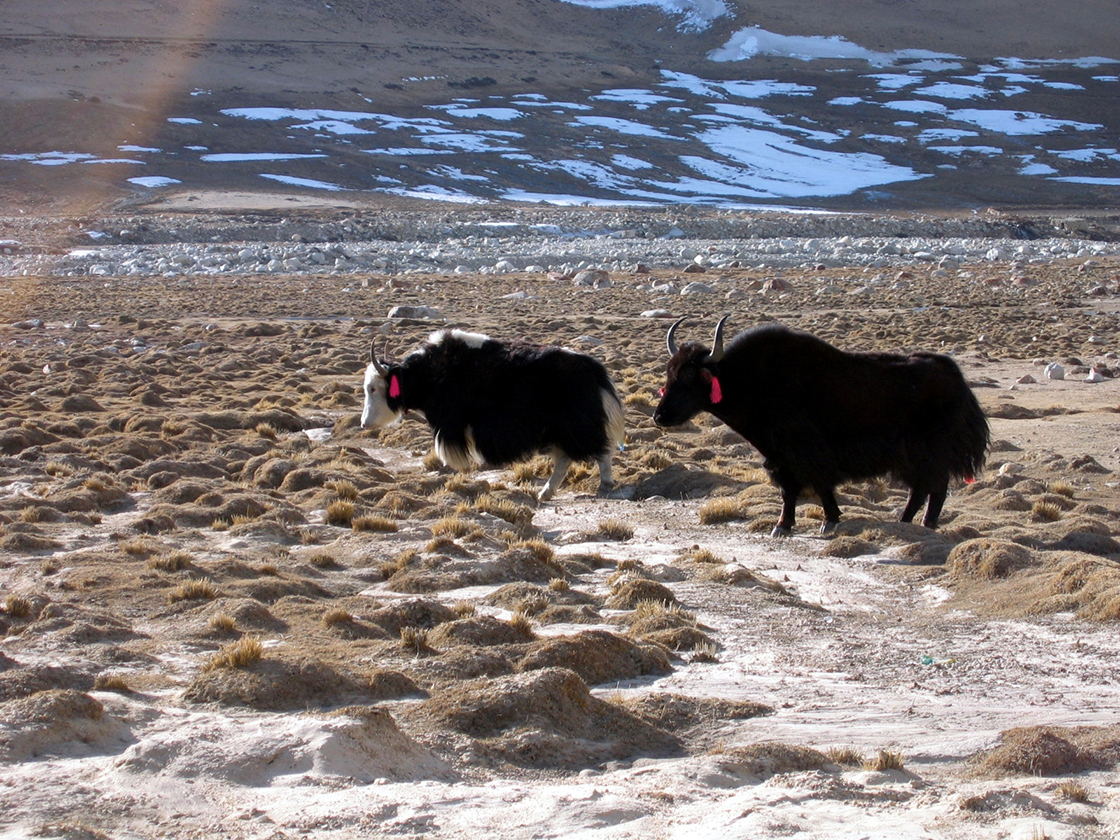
{"x": 453, "y": 527}
{"x": 340, "y": 513}
{"x": 705, "y": 652}
{"x": 336, "y": 616}
{"x": 174, "y": 561}
{"x": 374, "y": 524}
{"x": 198, "y": 589}
{"x": 223, "y": 623}
{"x": 433, "y": 463}
{"x": 464, "y": 609}
{"x": 511, "y": 512}
{"x": 415, "y": 639}
{"x": 1062, "y": 488}
{"x": 17, "y": 606}
{"x": 111, "y": 682}
{"x": 267, "y": 430}
{"x": 703, "y": 555}
{"x": 559, "y": 585}
{"x": 885, "y": 760}
{"x": 322, "y": 560}
{"x": 171, "y": 428}
{"x": 344, "y": 489}
{"x": 1073, "y": 791}
{"x": 723, "y": 509}
{"x": 1045, "y": 512}
{"x": 522, "y": 624}
{"x": 537, "y": 547}
{"x": 240, "y": 654}
{"x": 615, "y": 529}
{"x": 845, "y": 756}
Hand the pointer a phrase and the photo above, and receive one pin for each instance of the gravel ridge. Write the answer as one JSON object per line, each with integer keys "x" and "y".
{"x": 508, "y": 240}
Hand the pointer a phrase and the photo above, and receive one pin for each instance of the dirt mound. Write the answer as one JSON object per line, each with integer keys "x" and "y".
{"x": 546, "y": 719}
{"x": 680, "y": 482}
{"x": 276, "y": 685}
{"x": 1052, "y": 751}
{"x": 770, "y": 758}
{"x": 598, "y": 657}
{"x": 50, "y": 721}
{"x": 677, "y": 712}
{"x": 988, "y": 559}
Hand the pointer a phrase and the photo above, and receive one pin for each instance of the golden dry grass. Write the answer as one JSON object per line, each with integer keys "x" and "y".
{"x": 246, "y": 651}
{"x": 193, "y": 590}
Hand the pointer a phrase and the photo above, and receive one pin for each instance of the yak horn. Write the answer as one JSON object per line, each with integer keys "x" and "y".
{"x": 717, "y": 342}
{"x": 671, "y": 342}
{"x": 377, "y": 366}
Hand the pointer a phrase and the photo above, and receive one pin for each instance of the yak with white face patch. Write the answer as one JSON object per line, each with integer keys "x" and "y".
{"x": 494, "y": 403}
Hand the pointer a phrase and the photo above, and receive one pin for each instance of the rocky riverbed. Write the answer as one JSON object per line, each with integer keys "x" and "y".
{"x": 503, "y": 241}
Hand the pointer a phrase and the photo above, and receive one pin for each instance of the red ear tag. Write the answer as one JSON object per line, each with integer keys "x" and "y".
{"x": 717, "y": 392}
{"x": 394, "y": 387}
{"x": 660, "y": 392}
{"x": 970, "y": 479}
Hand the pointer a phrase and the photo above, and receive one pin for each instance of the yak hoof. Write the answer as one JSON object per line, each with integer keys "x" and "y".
{"x": 781, "y": 531}
{"x": 828, "y": 526}
{"x": 544, "y": 495}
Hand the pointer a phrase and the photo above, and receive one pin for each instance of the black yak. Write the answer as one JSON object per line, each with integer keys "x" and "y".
{"x": 490, "y": 402}
{"x": 821, "y": 416}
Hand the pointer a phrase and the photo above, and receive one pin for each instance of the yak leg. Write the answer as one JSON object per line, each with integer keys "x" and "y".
{"x": 936, "y": 502}
{"x": 606, "y": 477}
{"x": 560, "y": 464}
{"x": 831, "y": 510}
{"x": 918, "y": 496}
{"x": 790, "y": 492}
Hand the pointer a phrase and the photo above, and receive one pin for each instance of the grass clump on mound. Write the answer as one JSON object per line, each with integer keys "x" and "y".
{"x": 988, "y": 559}
{"x": 246, "y": 651}
{"x": 1051, "y": 751}
{"x": 770, "y": 758}
{"x": 546, "y": 719}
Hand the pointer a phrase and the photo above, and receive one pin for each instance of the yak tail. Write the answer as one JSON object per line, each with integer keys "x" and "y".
{"x": 615, "y": 426}
{"x": 973, "y": 437}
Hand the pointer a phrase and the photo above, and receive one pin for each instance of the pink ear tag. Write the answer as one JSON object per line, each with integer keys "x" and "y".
{"x": 717, "y": 392}
{"x": 394, "y": 387}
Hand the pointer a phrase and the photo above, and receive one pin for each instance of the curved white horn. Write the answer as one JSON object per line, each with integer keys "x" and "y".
{"x": 717, "y": 342}
{"x": 377, "y": 366}
{"x": 670, "y": 342}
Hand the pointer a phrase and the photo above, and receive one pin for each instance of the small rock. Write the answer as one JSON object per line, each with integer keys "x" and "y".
{"x": 422, "y": 313}
{"x": 1055, "y": 371}
{"x": 594, "y": 277}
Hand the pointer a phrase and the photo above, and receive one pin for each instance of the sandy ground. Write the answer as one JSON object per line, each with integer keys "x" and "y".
{"x": 227, "y": 611}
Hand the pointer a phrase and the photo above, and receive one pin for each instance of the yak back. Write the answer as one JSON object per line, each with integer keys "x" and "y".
{"x": 869, "y": 413}
{"x": 516, "y": 398}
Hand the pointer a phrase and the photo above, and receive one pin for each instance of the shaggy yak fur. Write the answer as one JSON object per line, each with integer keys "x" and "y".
{"x": 491, "y": 402}
{"x": 821, "y": 416}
